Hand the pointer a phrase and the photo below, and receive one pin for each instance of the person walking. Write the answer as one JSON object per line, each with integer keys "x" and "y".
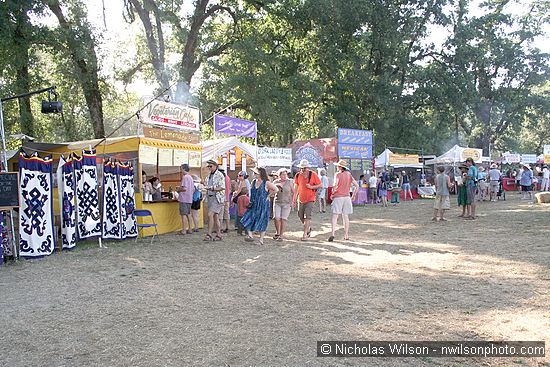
{"x": 215, "y": 195}
{"x": 373, "y": 183}
{"x": 322, "y": 192}
{"x": 305, "y": 184}
{"x": 442, "y": 201}
{"x": 341, "y": 200}
{"x": 395, "y": 189}
{"x": 185, "y": 198}
{"x": 406, "y": 185}
{"x": 243, "y": 201}
{"x": 196, "y": 204}
{"x": 494, "y": 182}
{"x": 283, "y": 202}
{"x": 471, "y": 187}
{"x": 256, "y": 217}
{"x": 545, "y": 178}
{"x": 526, "y": 182}
{"x": 383, "y": 190}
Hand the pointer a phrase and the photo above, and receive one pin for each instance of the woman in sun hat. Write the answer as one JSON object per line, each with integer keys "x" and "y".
{"x": 341, "y": 200}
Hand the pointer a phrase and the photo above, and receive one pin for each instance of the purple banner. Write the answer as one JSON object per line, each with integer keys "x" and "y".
{"x": 234, "y": 126}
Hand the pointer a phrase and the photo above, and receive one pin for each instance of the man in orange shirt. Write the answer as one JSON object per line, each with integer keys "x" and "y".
{"x": 306, "y": 183}
{"x": 341, "y": 200}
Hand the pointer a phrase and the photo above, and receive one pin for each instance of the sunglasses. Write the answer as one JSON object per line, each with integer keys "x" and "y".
{"x": 209, "y": 166}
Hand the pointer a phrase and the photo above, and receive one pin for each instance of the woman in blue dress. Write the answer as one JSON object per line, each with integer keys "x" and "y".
{"x": 256, "y": 217}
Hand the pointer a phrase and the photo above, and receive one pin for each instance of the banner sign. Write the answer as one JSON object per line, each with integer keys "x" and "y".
{"x": 547, "y": 153}
{"x": 512, "y": 158}
{"x": 171, "y": 135}
{"x": 172, "y": 115}
{"x": 274, "y": 157}
{"x": 354, "y": 143}
{"x": 320, "y": 150}
{"x": 473, "y": 153}
{"x": 233, "y": 126}
{"x": 403, "y": 159}
{"x": 529, "y": 158}
{"x": 356, "y": 164}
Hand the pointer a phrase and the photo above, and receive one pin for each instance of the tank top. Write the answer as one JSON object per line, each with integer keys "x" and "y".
{"x": 442, "y": 188}
{"x": 285, "y": 196}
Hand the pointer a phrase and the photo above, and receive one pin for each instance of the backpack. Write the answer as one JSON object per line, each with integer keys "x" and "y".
{"x": 309, "y": 179}
{"x": 197, "y": 194}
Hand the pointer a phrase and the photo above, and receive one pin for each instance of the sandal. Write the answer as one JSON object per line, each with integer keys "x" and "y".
{"x": 276, "y": 237}
{"x": 303, "y": 239}
{"x": 280, "y": 238}
{"x": 224, "y": 230}
{"x": 196, "y": 230}
{"x": 309, "y": 232}
{"x": 189, "y": 231}
{"x": 208, "y": 238}
{"x": 249, "y": 239}
{"x": 218, "y": 238}
{"x": 331, "y": 238}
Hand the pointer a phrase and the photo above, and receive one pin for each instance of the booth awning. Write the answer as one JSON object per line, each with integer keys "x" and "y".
{"x": 212, "y": 149}
{"x": 457, "y": 154}
{"x": 383, "y": 159}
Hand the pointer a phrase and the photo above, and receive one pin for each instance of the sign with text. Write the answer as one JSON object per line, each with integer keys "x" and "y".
{"x": 473, "y": 153}
{"x": 529, "y": 158}
{"x": 171, "y": 135}
{"x": 547, "y": 153}
{"x": 403, "y": 159}
{"x": 274, "y": 157}
{"x": 512, "y": 158}
{"x": 9, "y": 190}
{"x": 172, "y": 115}
{"x": 355, "y": 144}
{"x": 147, "y": 154}
{"x": 233, "y": 126}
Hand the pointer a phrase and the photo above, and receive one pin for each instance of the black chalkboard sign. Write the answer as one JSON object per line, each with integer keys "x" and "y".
{"x": 9, "y": 190}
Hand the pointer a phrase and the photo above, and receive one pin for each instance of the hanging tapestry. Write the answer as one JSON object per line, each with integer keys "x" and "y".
{"x": 112, "y": 227}
{"x": 66, "y": 191}
{"x": 36, "y": 229}
{"x": 127, "y": 200}
{"x": 87, "y": 198}
{"x": 6, "y": 241}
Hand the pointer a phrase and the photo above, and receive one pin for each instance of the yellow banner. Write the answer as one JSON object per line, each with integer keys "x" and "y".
{"x": 403, "y": 159}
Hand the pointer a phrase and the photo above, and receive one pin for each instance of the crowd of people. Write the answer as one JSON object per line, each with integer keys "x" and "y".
{"x": 273, "y": 196}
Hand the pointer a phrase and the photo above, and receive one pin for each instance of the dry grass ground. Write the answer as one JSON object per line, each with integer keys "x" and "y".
{"x": 184, "y": 302}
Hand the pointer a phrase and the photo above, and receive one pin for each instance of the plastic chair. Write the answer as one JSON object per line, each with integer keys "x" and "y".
{"x": 145, "y": 213}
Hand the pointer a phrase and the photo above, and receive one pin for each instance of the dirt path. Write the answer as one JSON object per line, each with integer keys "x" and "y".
{"x": 184, "y": 302}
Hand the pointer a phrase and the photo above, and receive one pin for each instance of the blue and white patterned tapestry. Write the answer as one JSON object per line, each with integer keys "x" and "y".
{"x": 112, "y": 227}
{"x": 127, "y": 200}
{"x": 119, "y": 221}
{"x": 67, "y": 204}
{"x": 87, "y": 198}
{"x": 36, "y": 228}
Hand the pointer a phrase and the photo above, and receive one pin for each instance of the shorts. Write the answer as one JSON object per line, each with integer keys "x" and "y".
{"x": 442, "y": 202}
{"x": 406, "y": 186}
{"x": 321, "y": 194}
{"x": 225, "y": 214}
{"x": 471, "y": 194}
{"x": 196, "y": 205}
{"x": 304, "y": 212}
{"x": 372, "y": 192}
{"x": 214, "y": 206}
{"x": 525, "y": 188}
{"x": 281, "y": 211}
{"x": 342, "y": 205}
{"x": 185, "y": 208}
{"x": 495, "y": 186}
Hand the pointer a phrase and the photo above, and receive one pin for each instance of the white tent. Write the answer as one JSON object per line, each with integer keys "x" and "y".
{"x": 457, "y": 154}
{"x": 383, "y": 159}
{"x": 212, "y": 149}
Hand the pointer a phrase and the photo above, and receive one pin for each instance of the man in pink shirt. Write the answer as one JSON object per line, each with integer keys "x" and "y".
{"x": 341, "y": 200}
{"x": 185, "y": 198}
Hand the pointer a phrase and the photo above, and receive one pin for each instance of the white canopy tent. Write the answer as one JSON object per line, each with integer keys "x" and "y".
{"x": 383, "y": 159}
{"x": 457, "y": 154}
{"x": 212, "y": 149}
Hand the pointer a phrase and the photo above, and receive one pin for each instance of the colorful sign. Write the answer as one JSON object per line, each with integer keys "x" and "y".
{"x": 355, "y": 144}
{"x": 171, "y": 135}
{"x": 233, "y": 126}
{"x": 172, "y": 115}
{"x": 325, "y": 150}
{"x": 473, "y": 153}
{"x": 512, "y": 158}
{"x": 547, "y": 153}
{"x": 274, "y": 157}
{"x": 403, "y": 159}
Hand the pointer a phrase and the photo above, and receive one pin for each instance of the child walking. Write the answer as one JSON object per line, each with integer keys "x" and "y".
{"x": 442, "y": 201}
{"x": 242, "y": 206}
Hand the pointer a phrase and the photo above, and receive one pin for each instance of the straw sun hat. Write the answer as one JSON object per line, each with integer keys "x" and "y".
{"x": 304, "y": 163}
{"x": 341, "y": 163}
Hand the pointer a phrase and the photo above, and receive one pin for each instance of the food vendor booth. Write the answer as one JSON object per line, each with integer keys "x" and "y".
{"x": 411, "y": 165}
{"x": 149, "y": 157}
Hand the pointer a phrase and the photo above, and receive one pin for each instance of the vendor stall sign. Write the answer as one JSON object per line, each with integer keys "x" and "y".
{"x": 473, "y": 153}
{"x": 403, "y": 159}
{"x": 512, "y": 158}
{"x": 172, "y": 115}
{"x": 547, "y": 153}
{"x": 326, "y": 148}
{"x": 529, "y": 158}
{"x": 274, "y": 157}
{"x": 171, "y": 135}
{"x": 355, "y": 144}
{"x": 233, "y": 126}
{"x": 147, "y": 154}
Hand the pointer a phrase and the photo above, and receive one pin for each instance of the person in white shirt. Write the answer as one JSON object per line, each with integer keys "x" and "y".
{"x": 494, "y": 179}
{"x": 545, "y": 178}
{"x": 373, "y": 184}
{"x": 322, "y": 192}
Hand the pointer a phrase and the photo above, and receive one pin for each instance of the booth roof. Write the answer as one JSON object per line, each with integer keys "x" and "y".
{"x": 449, "y": 157}
{"x": 383, "y": 158}
{"x": 212, "y": 149}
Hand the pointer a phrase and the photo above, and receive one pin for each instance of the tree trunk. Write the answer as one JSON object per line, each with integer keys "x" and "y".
{"x": 82, "y": 53}
{"x": 22, "y": 73}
